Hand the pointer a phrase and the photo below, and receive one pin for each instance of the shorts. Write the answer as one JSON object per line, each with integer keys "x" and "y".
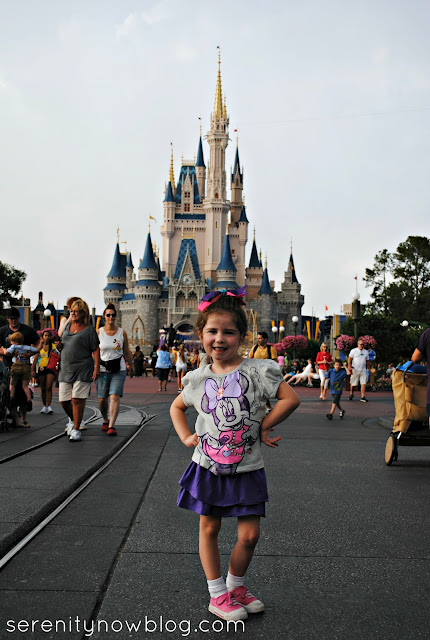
{"x": 336, "y": 398}
{"x": 20, "y": 371}
{"x": 358, "y": 377}
{"x": 45, "y": 371}
{"x": 322, "y": 373}
{"x": 163, "y": 374}
{"x": 109, "y": 384}
{"x": 79, "y": 390}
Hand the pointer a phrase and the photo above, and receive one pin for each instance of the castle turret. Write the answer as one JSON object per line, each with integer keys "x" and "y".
{"x": 117, "y": 280}
{"x": 266, "y": 304}
{"x": 129, "y": 276}
{"x": 216, "y": 205}
{"x": 201, "y": 170}
{"x": 236, "y": 189}
{"x": 148, "y": 291}
{"x": 226, "y": 270}
{"x": 290, "y": 298}
{"x": 253, "y": 274}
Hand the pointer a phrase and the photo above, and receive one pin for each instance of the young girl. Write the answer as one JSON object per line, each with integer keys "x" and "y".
{"x": 46, "y": 376}
{"x": 181, "y": 365}
{"x": 226, "y": 476}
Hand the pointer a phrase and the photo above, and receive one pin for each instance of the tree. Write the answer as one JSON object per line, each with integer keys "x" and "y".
{"x": 11, "y": 280}
{"x": 377, "y": 277}
{"x": 407, "y": 296}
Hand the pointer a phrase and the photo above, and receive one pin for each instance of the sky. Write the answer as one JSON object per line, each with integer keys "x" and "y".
{"x": 331, "y": 101}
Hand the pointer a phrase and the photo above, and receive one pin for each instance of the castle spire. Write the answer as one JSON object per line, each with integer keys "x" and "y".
{"x": 171, "y": 174}
{"x": 219, "y": 107}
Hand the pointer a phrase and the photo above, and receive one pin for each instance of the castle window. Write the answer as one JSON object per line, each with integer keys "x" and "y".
{"x": 187, "y": 194}
{"x": 216, "y": 196}
{"x": 180, "y": 300}
{"x": 187, "y": 207}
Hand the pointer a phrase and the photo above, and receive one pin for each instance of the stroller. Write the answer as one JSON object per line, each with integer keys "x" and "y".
{"x": 411, "y": 425}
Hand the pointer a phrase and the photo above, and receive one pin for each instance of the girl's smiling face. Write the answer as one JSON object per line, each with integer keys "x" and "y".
{"x": 221, "y": 340}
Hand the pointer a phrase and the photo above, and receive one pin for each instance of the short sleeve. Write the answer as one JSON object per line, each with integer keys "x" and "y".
{"x": 93, "y": 339}
{"x": 271, "y": 377}
{"x": 351, "y": 353}
{"x": 188, "y": 383}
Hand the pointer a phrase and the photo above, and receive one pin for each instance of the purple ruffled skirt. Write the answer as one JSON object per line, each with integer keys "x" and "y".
{"x": 241, "y": 494}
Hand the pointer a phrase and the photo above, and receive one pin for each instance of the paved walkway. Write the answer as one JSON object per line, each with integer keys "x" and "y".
{"x": 343, "y": 552}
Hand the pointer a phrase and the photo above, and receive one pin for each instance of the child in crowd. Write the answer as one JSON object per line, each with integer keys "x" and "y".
{"x": 21, "y": 368}
{"x": 336, "y": 378}
{"x": 226, "y": 476}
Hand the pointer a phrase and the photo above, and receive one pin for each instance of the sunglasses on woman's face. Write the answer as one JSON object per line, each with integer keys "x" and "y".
{"x": 110, "y": 315}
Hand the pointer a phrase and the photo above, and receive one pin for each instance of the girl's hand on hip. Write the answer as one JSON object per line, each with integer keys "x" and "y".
{"x": 192, "y": 440}
{"x": 267, "y": 440}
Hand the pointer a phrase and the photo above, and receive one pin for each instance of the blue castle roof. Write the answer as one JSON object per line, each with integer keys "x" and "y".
{"x": 182, "y": 176}
{"x": 148, "y": 260}
{"x": 265, "y": 285}
{"x": 129, "y": 264}
{"x": 200, "y": 161}
{"x": 118, "y": 265}
{"x": 188, "y": 244}
{"x": 243, "y": 217}
{"x": 254, "y": 261}
{"x": 292, "y": 268}
{"x": 169, "y": 193}
{"x": 236, "y": 166}
{"x": 226, "y": 263}
{"x": 114, "y": 286}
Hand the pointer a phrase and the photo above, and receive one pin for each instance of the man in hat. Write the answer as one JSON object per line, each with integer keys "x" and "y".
{"x": 14, "y": 324}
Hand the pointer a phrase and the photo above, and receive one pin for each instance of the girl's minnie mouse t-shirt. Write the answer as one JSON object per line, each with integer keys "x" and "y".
{"x": 230, "y": 411}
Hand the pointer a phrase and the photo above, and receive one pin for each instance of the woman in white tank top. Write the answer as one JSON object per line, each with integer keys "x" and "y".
{"x": 114, "y": 355}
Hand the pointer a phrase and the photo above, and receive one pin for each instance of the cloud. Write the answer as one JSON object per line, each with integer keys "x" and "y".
{"x": 380, "y": 56}
{"x": 157, "y": 13}
{"x": 126, "y": 27}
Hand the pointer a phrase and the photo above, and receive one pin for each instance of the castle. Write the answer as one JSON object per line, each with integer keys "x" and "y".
{"x": 204, "y": 237}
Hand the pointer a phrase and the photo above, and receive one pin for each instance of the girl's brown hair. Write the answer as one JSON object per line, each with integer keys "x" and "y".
{"x": 225, "y": 304}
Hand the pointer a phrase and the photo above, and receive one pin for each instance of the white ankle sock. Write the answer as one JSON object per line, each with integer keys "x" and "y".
{"x": 233, "y": 581}
{"x": 217, "y": 587}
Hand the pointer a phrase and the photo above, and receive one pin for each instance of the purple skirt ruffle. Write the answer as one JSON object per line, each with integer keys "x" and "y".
{"x": 241, "y": 494}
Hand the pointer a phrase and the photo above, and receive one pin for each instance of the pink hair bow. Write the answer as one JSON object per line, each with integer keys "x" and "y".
{"x": 213, "y": 296}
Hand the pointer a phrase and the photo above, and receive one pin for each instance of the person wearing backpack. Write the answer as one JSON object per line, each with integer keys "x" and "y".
{"x": 263, "y": 351}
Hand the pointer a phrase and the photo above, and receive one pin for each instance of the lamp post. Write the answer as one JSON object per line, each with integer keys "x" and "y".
{"x": 47, "y": 314}
{"x": 356, "y": 312}
{"x": 275, "y": 331}
{"x": 295, "y": 321}
{"x": 405, "y": 324}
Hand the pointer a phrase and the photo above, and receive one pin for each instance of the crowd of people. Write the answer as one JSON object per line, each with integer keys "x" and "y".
{"x": 230, "y": 393}
{"x": 104, "y": 357}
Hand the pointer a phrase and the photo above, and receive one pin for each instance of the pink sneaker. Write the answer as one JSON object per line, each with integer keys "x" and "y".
{"x": 249, "y": 602}
{"x": 226, "y": 607}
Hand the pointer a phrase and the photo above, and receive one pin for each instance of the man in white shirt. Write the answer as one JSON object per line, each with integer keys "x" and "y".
{"x": 357, "y": 365}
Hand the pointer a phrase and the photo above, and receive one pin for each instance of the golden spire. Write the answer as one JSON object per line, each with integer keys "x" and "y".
{"x": 260, "y": 255}
{"x": 254, "y": 233}
{"x": 117, "y": 234}
{"x": 171, "y": 174}
{"x": 218, "y": 107}
{"x": 265, "y": 262}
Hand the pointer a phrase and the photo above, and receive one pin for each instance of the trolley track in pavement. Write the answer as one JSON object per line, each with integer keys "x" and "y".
{"x": 43, "y": 443}
{"x": 27, "y": 538}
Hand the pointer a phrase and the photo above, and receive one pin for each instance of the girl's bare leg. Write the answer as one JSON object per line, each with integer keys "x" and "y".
{"x": 248, "y": 533}
{"x": 208, "y": 546}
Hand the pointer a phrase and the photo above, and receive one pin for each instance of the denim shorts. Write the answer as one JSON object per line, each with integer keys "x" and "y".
{"x": 110, "y": 383}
